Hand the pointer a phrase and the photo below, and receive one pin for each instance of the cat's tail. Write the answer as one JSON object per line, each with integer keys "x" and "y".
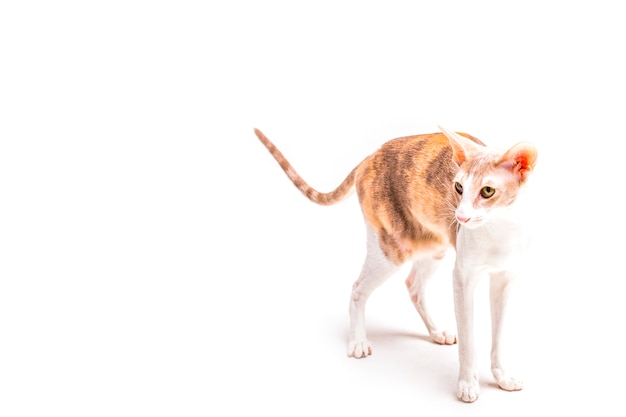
{"x": 345, "y": 189}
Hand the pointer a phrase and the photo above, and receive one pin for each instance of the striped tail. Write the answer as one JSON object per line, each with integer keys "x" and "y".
{"x": 326, "y": 199}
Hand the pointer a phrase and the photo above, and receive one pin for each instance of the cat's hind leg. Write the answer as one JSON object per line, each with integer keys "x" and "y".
{"x": 376, "y": 269}
{"x": 423, "y": 269}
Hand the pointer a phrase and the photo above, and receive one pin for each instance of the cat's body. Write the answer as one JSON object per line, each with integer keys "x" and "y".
{"x": 421, "y": 195}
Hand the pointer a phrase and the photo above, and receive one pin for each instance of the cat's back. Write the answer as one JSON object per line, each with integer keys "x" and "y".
{"x": 403, "y": 166}
{"x": 406, "y": 194}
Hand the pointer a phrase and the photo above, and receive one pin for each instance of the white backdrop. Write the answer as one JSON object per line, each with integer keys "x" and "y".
{"x": 154, "y": 259}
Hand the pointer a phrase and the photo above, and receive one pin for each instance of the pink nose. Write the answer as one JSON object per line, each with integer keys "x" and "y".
{"x": 462, "y": 219}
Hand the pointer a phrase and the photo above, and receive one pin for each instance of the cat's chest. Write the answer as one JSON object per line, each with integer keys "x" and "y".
{"x": 500, "y": 245}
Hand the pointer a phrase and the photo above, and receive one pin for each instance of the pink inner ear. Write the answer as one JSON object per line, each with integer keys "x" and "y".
{"x": 459, "y": 154}
{"x": 462, "y": 147}
{"x": 522, "y": 158}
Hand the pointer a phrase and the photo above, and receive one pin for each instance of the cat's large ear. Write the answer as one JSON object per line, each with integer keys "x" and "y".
{"x": 462, "y": 147}
{"x": 520, "y": 159}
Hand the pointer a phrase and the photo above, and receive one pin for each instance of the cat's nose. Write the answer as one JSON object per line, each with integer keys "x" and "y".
{"x": 462, "y": 219}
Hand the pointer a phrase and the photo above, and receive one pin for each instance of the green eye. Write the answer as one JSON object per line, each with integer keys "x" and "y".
{"x": 458, "y": 187}
{"x": 487, "y": 192}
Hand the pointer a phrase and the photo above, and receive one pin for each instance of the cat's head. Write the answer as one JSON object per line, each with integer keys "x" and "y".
{"x": 488, "y": 180}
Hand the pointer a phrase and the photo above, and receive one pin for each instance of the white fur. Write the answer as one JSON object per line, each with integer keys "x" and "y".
{"x": 495, "y": 249}
{"x": 465, "y": 209}
{"x": 376, "y": 269}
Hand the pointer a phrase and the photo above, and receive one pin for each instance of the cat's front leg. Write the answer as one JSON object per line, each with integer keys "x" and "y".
{"x": 464, "y": 286}
{"x": 498, "y": 294}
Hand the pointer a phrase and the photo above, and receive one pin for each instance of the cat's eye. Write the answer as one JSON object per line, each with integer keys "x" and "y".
{"x": 458, "y": 187}
{"x": 487, "y": 192}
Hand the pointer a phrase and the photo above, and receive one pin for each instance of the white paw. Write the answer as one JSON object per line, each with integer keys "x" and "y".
{"x": 506, "y": 382}
{"x": 467, "y": 390}
{"x": 359, "y": 348}
{"x": 443, "y": 338}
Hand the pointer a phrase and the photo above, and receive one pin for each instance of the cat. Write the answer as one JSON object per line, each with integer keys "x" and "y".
{"x": 419, "y": 196}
